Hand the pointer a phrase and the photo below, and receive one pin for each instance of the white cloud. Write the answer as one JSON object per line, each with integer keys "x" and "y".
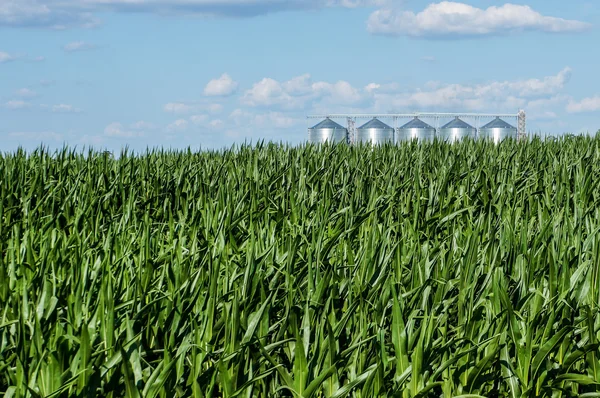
{"x": 202, "y": 120}
{"x": 299, "y": 85}
{"x": 78, "y": 46}
{"x": 297, "y": 92}
{"x": 372, "y": 88}
{"x": 267, "y": 120}
{"x": 216, "y": 124}
{"x": 117, "y": 130}
{"x": 240, "y": 116}
{"x": 62, "y": 14}
{"x": 142, "y": 125}
{"x": 51, "y": 14}
{"x": 178, "y": 125}
{"x": 545, "y": 108}
{"x": 189, "y": 107}
{"x": 268, "y": 92}
{"x": 340, "y": 93}
{"x": 428, "y": 58}
{"x": 547, "y": 85}
{"x": 6, "y": 57}
{"x": 199, "y": 119}
{"x": 25, "y": 93}
{"x": 496, "y": 96}
{"x": 222, "y": 87}
{"x": 178, "y": 107}
{"x": 590, "y": 104}
{"x": 215, "y": 108}
{"x": 300, "y": 94}
{"x": 64, "y": 108}
{"x": 275, "y": 119}
{"x": 453, "y": 19}
{"x": 17, "y": 104}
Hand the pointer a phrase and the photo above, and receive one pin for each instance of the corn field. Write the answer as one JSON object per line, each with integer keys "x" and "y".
{"x": 430, "y": 270}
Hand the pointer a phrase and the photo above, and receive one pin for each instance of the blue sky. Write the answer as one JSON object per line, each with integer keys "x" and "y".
{"x": 210, "y": 73}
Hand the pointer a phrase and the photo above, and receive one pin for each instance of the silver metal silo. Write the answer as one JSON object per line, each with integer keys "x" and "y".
{"x": 327, "y": 131}
{"x": 376, "y": 132}
{"x": 497, "y": 130}
{"x": 415, "y": 129}
{"x": 456, "y": 130}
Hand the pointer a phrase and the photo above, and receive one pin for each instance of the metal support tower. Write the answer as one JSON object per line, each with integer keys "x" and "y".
{"x": 351, "y": 129}
{"x": 521, "y": 125}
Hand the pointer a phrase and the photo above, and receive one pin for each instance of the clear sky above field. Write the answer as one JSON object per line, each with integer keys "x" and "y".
{"x": 175, "y": 73}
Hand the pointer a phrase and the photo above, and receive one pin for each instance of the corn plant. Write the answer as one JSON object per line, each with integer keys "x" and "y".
{"x": 417, "y": 270}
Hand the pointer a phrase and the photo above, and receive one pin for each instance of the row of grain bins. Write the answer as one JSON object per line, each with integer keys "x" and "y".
{"x": 377, "y": 132}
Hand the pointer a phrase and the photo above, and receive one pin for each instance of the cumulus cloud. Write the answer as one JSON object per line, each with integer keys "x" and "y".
{"x": 118, "y": 131}
{"x": 214, "y": 108}
{"x": 495, "y": 95}
{"x": 297, "y": 92}
{"x": 25, "y": 93}
{"x": 230, "y": 8}
{"x": 199, "y": 119}
{"x": 278, "y": 120}
{"x": 222, "y": 87}
{"x": 216, "y": 123}
{"x": 177, "y": 125}
{"x": 62, "y": 14}
{"x": 590, "y": 104}
{"x": 78, "y": 46}
{"x": 17, "y": 104}
{"x": 192, "y": 107}
{"x": 178, "y": 107}
{"x": 340, "y": 92}
{"x": 275, "y": 119}
{"x": 545, "y": 108}
{"x": 452, "y": 19}
{"x": 142, "y": 125}
{"x": 64, "y": 108}
{"x": 268, "y": 92}
{"x": 53, "y": 14}
{"x": 240, "y": 116}
{"x": 6, "y": 57}
{"x": 301, "y": 94}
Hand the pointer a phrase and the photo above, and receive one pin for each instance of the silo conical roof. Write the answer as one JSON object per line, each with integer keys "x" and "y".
{"x": 416, "y": 123}
{"x": 328, "y": 124}
{"x": 457, "y": 124}
{"x": 375, "y": 124}
{"x": 497, "y": 123}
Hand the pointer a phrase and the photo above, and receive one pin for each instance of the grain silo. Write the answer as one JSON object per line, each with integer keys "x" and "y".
{"x": 375, "y": 132}
{"x": 497, "y": 130}
{"x": 415, "y": 129}
{"x": 456, "y": 130}
{"x": 327, "y": 131}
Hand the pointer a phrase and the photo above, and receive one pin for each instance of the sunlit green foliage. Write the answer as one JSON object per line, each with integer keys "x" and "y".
{"x": 412, "y": 271}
